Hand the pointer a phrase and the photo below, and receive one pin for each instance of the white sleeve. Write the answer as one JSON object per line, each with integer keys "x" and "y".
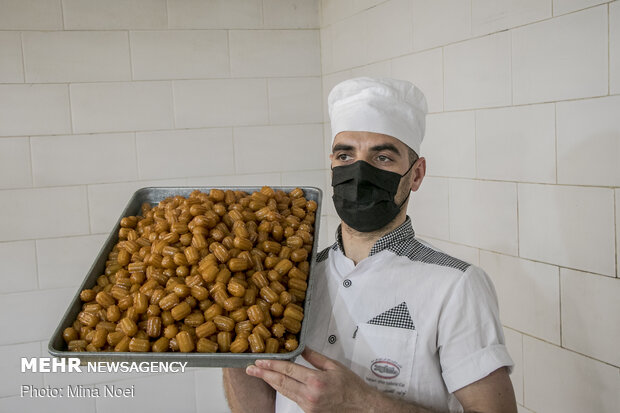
{"x": 470, "y": 338}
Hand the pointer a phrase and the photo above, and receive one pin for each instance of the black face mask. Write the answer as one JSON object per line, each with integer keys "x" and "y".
{"x": 364, "y": 195}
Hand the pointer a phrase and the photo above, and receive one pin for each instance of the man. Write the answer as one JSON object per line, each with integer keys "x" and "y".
{"x": 396, "y": 325}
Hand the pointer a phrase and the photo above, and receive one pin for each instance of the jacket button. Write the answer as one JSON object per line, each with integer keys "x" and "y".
{"x": 331, "y": 339}
{"x": 347, "y": 283}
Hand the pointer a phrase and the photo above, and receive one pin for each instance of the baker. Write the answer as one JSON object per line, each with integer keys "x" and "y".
{"x": 396, "y": 325}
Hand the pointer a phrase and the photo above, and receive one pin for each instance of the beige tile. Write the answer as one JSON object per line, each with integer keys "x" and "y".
{"x": 567, "y": 226}
{"x": 514, "y": 343}
{"x": 568, "y": 55}
{"x": 292, "y": 148}
{"x": 614, "y": 48}
{"x": 295, "y": 100}
{"x": 589, "y": 135}
{"x": 153, "y": 394}
{"x": 462, "y": 252}
{"x": 378, "y": 69}
{"x": 114, "y": 14}
{"x": 179, "y": 54}
{"x": 327, "y": 56}
{"x": 121, "y": 106}
{"x": 40, "y": 311}
{"x": 618, "y": 232}
{"x": 390, "y": 30}
{"x": 291, "y": 14}
{"x": 429, "y": 208}
{"x": 64, "y": 262}
{"x": 30, "y": 15}
{"x": 43, "y": 213}
{"x": 11, "y": 67}
{"x": 528, "y": 293}
{"x": 334, "y": 10}
{"x": 558, "y": 380}
{"x": 183, "y": 153}
{"x": 439, "y": 22}
{"x": 425, "y": 70}
{"x": 10, "y": 363}
{"x": 456, "y": 131}
{"x": 210, "y": 391}
{"x": 591, "y": 315}
{"x": 274, "y": 53}
{"x": 80, "y": 56}
{"x": 83, "y": 159}
{"x": 484, "y": 214}
{"x": 516, "y": 144}
{"x": 214, "y": 14}
{"x": 47, "y": 404}
{"x": 19, "y": 266}
{"x": 521, "y": 409}
{"x": 490, "y": 16}
{"x": 348, "y": 42}
{"x": 15, "y": 170}
{"x": 226, "y": 102}
{"x": 567, "y": 6}
{"x": 477, "y": 73}
{"x": 273, "y": 179}
{"x": 34, "y": 110}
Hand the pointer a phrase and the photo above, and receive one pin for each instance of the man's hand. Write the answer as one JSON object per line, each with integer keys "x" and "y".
{"x": 332, "y": 387}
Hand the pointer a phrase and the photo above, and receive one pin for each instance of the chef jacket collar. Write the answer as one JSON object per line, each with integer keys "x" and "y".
{"x": 398, "y": 235}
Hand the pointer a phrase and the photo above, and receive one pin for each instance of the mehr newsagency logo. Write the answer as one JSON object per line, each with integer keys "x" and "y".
{"x": 385, "y": 369}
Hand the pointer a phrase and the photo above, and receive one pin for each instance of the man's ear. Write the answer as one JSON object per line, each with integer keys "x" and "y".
{"x": 419, "y": 171}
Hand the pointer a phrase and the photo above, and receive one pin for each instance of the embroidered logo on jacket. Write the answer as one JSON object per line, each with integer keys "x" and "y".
{"x": 385, "y": 369}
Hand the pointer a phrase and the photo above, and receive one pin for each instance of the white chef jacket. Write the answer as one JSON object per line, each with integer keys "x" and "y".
{"x": 409, "y": 319}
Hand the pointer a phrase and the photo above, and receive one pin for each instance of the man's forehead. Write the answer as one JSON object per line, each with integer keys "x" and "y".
{"x": 362, "y": 139}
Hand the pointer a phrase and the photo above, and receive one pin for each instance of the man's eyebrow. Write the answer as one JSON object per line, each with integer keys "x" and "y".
{"x": 384, "y": 147}
{"x": 342, "y": 147}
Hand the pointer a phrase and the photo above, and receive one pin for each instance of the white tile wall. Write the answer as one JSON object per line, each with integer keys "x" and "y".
{"x": 516, "y": 143}
{"x": 43, "y": 213}
{"x": 15, "y": 170}
{"x": 614, "y": 47}
{"x": 214, "y": 14}
{"x": 10, "y": 364}
{"x": 179, "y": 54}
{"x": 121, "y": 106}
{"x": 393, "y": 39}
{"x": 591, "y": 315}
{"x": 327, "y": 57}
{"x": 439, "y": 22}
{"x": 274, "y": 53}
{"x": 488, "y": 16}
{"x": 449, "y": 144}
{"x": 484, "y": 214}
{"x": 589, "y": 135}
{"x": 30, "y": 15}
{"x": 19, "y": 266}
{"x": 334, "y": 10}
{"x": 618, "y": 232}
{"x": 79, "y": 56}
{"x": 295, "y": 100}
{"x": 209, "y": 391}
{"x": 236, "y": 180}
{"x": 291, "y": 14}
{"x": 477, "y": 73}
{"x": 562, "y": 58}
{"x": 226, "y": 102}
{"x": 183, "y": 153}
{"x": 428, "y": 208}
{"x": 64, "y": 262}
{"x": 34, "y": 110}
{"x": 567, "y": 6}
{"x": 462, "y": 252}
{"x": 260, "y": 149}
{"x": 528, "y": 293}
{"x": 83, "y": 159}
{"x": 559, "y": 380}
{"x": 348, "y": 42}
{"x": 568, "y": 226}
{"x": 514, "y": 343}
{"x": 425, "y": 70}
{"x": 379, "y": 69}
{"x": 39, "y": 313}
{"x": 11, "y": 66}
{"x": 114, "y": 14}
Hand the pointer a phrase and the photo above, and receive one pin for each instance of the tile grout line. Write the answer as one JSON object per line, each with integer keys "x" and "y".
{"x": 21, "y": 45}
{"x": 608, "y": 50}
{"x": 560, "y": 302}
{"x": 616, "y": 232}
{"x": 555, "y": 135}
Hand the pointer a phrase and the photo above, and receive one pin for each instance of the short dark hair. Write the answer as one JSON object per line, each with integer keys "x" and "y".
{"x": 413, "y": 157}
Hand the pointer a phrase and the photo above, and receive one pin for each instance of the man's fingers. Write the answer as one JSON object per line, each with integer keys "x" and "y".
{"x": 318, "y": 360}
{"x": 287, "y": 368}
{"x": 283, "y": 384}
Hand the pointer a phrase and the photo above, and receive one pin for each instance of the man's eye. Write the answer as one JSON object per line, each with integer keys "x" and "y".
{"x": 343, "y": 157}
{"x": 383, "y": 158}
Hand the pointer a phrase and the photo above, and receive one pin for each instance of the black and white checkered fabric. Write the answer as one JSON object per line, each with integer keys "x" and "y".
{"x": 401, "y": 241}
{"x": 322, "y": 255}
{"x": 395, "y": 317}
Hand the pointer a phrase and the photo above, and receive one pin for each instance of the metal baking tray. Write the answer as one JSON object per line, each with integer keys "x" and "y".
{"x": 57, "y": 346}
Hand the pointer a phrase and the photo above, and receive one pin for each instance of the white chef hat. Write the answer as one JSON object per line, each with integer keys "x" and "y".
{"x": 388, "y": 106}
